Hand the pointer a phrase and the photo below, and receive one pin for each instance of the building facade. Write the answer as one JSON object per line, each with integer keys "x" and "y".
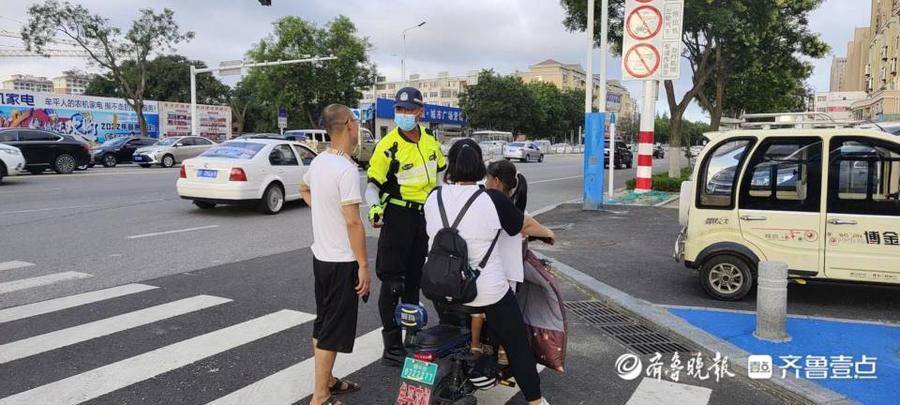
{"x": 572, "y": 77}
{"x": 71, "y": 82}
{"x": 871, "y": 66}
{"x": 28, "y": 83}
{"x": 837, "y": 103}
{"x": 838, "y": 70}
{"x": 442, "y": 90}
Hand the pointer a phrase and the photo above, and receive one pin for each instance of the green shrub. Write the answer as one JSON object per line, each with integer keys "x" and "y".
{"x": 662, "y": 181}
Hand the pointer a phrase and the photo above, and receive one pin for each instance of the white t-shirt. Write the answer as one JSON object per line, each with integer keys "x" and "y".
{"x": 492, "y": 211}
{"x": 333, "y": 181}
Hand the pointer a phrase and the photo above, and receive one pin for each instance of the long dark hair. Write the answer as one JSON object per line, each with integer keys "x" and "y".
{"x": 464, "y": 162}
{"x": 514, "y": 183}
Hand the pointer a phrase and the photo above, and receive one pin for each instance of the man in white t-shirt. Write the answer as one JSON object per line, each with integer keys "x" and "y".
{"x": 330, "y": 187}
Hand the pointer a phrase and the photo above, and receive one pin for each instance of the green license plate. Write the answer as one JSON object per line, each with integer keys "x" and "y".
{"x": 419, "y": 371}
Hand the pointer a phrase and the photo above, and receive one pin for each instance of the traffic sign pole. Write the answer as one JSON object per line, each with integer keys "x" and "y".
{"x": 594, "y": 127}
{"x": 643, "y": 178}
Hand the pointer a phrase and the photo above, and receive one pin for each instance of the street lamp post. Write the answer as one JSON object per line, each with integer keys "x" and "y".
{"x": 594, "y": 122}
{"x": 195, "y": 123}
{"x": 403, "y": 52}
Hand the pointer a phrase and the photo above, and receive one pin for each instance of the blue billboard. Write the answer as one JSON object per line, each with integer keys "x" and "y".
{"x": 438, "y": 114}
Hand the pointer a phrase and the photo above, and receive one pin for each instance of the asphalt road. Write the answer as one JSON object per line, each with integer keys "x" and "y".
{"x": 106, "y": 227}
{"x": 135, "y": 296}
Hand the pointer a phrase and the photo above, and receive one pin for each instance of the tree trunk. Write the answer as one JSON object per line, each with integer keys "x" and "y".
{"x": 138, "y": 108}
{"x": 715, "y": 115}
{"x": 675, "y": 137}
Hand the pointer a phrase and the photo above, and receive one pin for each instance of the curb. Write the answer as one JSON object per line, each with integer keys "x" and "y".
{"x": 660, "y": 316}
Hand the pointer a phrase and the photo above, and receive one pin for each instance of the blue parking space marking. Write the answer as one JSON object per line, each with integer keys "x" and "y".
{"x": 816, "y": 337}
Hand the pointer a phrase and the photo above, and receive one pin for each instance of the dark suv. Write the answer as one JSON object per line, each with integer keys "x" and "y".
{"x": 119, "y": 150}
{"x": 47, "y": 150}
{"x": 624, "y": 158}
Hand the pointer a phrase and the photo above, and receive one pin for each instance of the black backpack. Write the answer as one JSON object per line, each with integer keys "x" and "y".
{"x": 446, "y": 276}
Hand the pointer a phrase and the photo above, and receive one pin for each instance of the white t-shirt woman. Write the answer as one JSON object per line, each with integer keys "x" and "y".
{"x": 490, "y": 212}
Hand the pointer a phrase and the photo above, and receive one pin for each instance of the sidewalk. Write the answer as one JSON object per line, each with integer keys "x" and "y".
{"x": 624, "y": 256}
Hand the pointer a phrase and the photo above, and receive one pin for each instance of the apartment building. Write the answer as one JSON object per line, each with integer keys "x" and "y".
{"x": 28, "y": 83}
{"x": 71, "y": 82}
{"x": 871, "y": 64}
{"x": 572, "y": 77}
{"x": 838, "y": 71}
{"x": 442, "y": 90}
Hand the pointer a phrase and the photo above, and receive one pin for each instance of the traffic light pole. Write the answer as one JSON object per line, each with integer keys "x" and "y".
{"x": 195, "y": 123}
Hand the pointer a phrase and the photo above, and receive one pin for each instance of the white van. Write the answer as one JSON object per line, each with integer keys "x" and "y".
{"x": 826, "y": 201}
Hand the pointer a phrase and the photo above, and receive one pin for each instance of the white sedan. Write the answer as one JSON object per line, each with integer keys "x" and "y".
{"x": 265, "y": 172}
{"x": 12, "y": 162}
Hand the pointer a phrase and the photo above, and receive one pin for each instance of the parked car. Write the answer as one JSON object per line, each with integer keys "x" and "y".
{"x": 319, "y": 140}
{"x": 47, "y": 150}
{"x": 119, "y": 150}
{"x": 624, "y": 157}
{"x": 172, "y": 150}
{"x": 12, "y": 162}
{"x": 758, "y": 195}
{"x": 264, "y": 172}
{"x": 658, "y": 151}
{"x": 523, "y": 151}
{"x": 695, "y": 150}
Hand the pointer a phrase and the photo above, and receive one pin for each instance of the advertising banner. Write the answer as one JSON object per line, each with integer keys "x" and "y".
{"x": 175, "y": 120}
{"x": 95, "y": 119}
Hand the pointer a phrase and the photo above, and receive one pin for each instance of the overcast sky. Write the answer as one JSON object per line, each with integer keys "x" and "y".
{"x": 459, "y": 36}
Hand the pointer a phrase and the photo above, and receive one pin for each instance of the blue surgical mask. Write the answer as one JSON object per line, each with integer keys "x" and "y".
{"x": 406, "y": 122}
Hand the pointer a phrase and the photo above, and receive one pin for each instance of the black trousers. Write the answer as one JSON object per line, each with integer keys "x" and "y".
{"x": 505, "y": 325}
{"x": 402, "y": 248}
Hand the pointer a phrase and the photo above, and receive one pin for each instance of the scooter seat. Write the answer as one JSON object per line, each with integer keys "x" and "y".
{"x": 440, "y": 338}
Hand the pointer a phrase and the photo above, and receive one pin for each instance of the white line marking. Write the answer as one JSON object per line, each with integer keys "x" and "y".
{"x": 107, "y": 326}
{"x": 147, "y": 235}
{"x": 15, "y": 264}
{"x": 296, "y": 382}
{"x": 32, "y": 282}
{"x": 72, "y": 207}
{"x": 500, "y": 394}
{"x": 660, "y": 392}
{"x": 558, "y": 179}
{"x": 44, "y": 307}
{"x": 103, "y": 380}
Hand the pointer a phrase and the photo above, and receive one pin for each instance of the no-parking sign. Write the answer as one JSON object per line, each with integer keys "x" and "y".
{"x": 652, "y": 39}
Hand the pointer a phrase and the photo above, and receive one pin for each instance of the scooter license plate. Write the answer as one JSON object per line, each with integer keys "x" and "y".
{"x": 419, "y": 371}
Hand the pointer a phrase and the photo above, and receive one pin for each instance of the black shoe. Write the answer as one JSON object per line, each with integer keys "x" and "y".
{"x": 394, "y": 353}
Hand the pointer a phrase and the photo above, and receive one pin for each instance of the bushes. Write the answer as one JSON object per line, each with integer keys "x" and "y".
{"x": 662, "y": 181}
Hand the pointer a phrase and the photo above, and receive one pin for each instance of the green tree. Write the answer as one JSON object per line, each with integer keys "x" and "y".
{"x": 502, "y": 103}
{"x": 168, "y": 79}
{"x": 106, "y": 45}
{"x": 305, "y": 89}
{"x": 713, "y": 30}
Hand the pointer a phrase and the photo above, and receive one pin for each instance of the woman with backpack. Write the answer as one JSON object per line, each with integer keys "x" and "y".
{"x": 485, "y": 215}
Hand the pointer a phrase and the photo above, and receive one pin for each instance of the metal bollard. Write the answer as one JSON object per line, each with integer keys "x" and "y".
{"x": 771, "y": 302}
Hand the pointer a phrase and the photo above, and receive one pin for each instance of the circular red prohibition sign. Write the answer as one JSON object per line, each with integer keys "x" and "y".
{"x": 643, "y": 56}
{"x": 642, "y": 17}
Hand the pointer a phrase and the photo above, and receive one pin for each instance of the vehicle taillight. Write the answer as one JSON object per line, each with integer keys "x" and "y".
{"x": 424, "y": 356}
{"x": 237, "y": 174}
{"x": 182, "y": 174}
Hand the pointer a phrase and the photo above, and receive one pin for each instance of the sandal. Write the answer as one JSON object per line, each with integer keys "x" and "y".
{"x": 337, "y": 387}
{"x": 333, "y": 401}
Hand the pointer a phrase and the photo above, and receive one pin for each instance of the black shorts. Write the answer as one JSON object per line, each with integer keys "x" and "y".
{"x": 336, "y": 305}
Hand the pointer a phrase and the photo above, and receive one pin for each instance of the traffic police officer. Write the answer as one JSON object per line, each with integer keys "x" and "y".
{"x": 402, "y": 172}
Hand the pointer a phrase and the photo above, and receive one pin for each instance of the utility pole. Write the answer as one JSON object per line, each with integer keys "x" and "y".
{"x": 594, "y": 126}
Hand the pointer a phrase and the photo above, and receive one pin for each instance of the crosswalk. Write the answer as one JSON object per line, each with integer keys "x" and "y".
{"x": 285, "y": 386}
{"x": 139, "y": 309}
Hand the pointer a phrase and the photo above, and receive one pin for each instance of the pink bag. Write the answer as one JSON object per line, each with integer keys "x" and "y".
{"x": 544, "y": 313}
